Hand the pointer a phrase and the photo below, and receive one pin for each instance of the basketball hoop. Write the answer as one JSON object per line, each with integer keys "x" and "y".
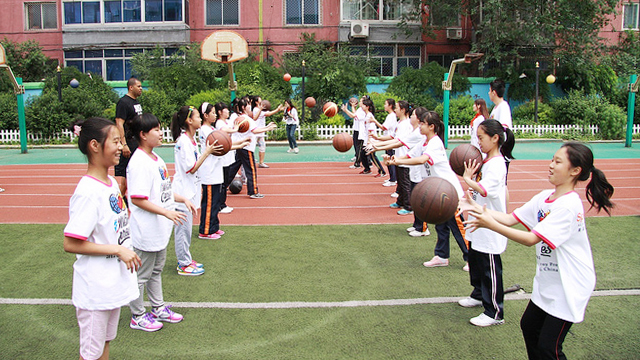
{"x": 223, "y": 57}
{"x": 468, "y": 58}
{"x": 224, "y": 46}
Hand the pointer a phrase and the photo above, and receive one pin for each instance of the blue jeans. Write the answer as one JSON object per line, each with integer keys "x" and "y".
{"x": 291, "y": 135}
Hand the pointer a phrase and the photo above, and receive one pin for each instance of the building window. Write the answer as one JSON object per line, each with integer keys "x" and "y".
{"x": 376, "y": 10}
{"x": 391, "y": 58}
{"x": 111, "y": 64}
{"x": 116, "y": 11}
{"x": 41, "y": 16}
{"x": 223, "y": 12}
{"x": 631, "y": 16}
{"x": 122, "y": 11}
{"x": 302, "y": 12}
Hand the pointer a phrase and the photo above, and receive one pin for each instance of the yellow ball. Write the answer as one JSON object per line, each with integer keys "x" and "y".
{"x": 551, "y": 79}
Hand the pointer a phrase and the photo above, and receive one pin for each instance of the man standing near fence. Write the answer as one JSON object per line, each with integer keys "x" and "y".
{"x": 126, "y": 109}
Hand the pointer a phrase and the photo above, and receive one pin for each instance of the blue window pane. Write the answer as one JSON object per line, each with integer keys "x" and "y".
{"x": 115, "y": 70}
{"x": 131, "y": 52}
{"x": 387, "y": 67}
{"x": 358, "y": 50}
{"x": 402, "y": 63}
{"x": 93, "y": 53}
{"x": 90, "y": 12}
{"x": 172, "y": 10}
{"x": 214, "y": 12}
{"x": 294, "y": 12}
{"x": 76, "y": 64}
{"x": 414, "y": 63}
{"x": 93, "y": 66}
{"x": 127, "y": 70}
{"x": 311, "y": 12}
{"x": 170, "y": 51}
{"x": 72, "y": 13}
{"x": 112, "y": 11}
{"x": 153, "y": 10}
{"x": 231, "y": 12}
{"x": 132, "y": 11}
{"x": 113, "y": 53}
{"x": 73, "y": 54}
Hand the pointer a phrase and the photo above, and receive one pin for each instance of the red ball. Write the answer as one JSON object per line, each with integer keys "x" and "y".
{"x": 461, "y": 154}
{"x": 310, "y": 102}
{"x": 243, "y": 124}
{"x": 266, "y": 105}
{"x": 287, "y": 77}
{"x": 434, "y": 200}
{"x": 330, "y": 109}
{"x": 223, "y": 139}
{"x": 342, "y": 142}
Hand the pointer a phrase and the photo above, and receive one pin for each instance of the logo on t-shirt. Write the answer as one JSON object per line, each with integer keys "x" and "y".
{"x": 137, "y": 108}
{"x": 117, "y": 203}
{"x": 164, "y": 174}
{"x": 542, "y": 214}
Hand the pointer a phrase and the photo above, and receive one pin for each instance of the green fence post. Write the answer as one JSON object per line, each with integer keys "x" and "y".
{"x": 22, "y": 124}
{"x": 630, "y": 110}
{"x": 445, "y": 115}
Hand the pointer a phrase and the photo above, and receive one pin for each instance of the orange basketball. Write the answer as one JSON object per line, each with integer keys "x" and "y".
{"x": 286, "y": 77}
{"x": 461, "y": 154}
{"x": 330, "y": 109}
{"x": 223, "y": 139}
{"x": 266, "y": 105}
{"x": 434, "y": 200}
{"x": 243, "y": 124}
{"x": 342, "y": 142}
{"x": 310, "y": 102}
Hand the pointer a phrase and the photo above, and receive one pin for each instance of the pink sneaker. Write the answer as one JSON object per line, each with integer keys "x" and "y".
{"x": 219, "y": 232}
{"x": 165, "y": 314}
{"x": 436, "y": 261}
{"x": 145, "y": 322}
{"x": 209, "y": 237}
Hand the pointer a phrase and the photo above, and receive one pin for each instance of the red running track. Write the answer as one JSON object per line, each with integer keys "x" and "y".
{"x": 295, "y": 193}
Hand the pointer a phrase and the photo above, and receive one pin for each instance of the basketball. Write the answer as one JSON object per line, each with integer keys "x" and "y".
{"x": 266, "y": 105}
{"x": 243, "y": 124}
{"x": 434, "y": 200}
{"x": 74, "y": 83}
{"x": 223, "y": 139}
{"x": 286, "y": 77}
{"x": 461, "y": 154}
{"x": 310, "y": 102}
{"x": 330, "y": 109}
{"x": 236, "y": 186}
{"x": 342, "y": 142}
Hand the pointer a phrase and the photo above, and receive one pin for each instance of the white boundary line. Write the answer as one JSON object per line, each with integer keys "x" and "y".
{"x": 304, "y": 304}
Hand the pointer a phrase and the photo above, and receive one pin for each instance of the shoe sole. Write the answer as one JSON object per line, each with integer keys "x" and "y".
{"x": 168, "y": 320}
{"x": 190, "y": 274}
{"x": 501, "y": 322}
{"x": 470, "y": 306}
{"x": 431, "y": 266}
{"x": 136, "y": 327}
{"x": 208, "y": 238}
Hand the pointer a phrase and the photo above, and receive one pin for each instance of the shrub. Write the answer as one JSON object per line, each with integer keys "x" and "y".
{"x": 378, "y": 101}
{"x": 525, "y": 114}
{"x": 309, "y": 133}
{"x": 337, "y": 120}
{"x": 460, "y": 110}
{"x": 158, "y": 103}
{"x": 210, "y": 96}
{"x": 46, "y": 115}
{"x": 8, "y": 111}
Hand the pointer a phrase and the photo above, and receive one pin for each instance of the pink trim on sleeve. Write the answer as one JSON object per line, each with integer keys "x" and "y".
{"x": 76, "y": 236}
{"x": 520, "y": 221}
{"x": 483, "y": 189}
{"x": 139, "y": 197}
{"x": 546, "y": 241}
{"x": 430, "y": 160}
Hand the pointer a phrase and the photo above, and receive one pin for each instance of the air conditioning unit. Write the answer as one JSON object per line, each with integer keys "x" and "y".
{"x": 359, "y": 29}
{"x": 454, "y": 33}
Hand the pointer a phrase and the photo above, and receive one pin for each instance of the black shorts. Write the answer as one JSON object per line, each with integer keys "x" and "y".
{"x": 121, "y": 168}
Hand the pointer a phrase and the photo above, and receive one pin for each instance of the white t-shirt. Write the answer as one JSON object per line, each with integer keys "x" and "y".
{"x": 97, "y": 213}
{"x": 186, "y": 155}
{"x": 474, "y": 132}
{"x": 492, "y": 179}
{"x": 361, "y": 116}
{"x": 262, "y": 119}
{"x": 230, "y": 157}
{"x": 417, "y": 173}
{"x": 370, "y": 128}
{"x": 292, "y": 118}
{"x": 390, "y": 124}
{"x": 238, "y": 136}
{"x": 565, "y": 275}
{"x": 438, "y": 163}
{"x": 502, "y": 113}
{"x": 210, "y": 171}
{"x": 148, "y": 178}
{"x": 408, "y": 139}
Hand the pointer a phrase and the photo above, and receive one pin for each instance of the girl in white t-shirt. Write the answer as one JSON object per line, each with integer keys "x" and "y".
{"x": 485, "y": 264}
{"x": 555, "y": 220}
{"x": 480, "y": 108}
{"x": 152, "y": 218}
{"x": 291, "y": 120}
{"x": 104, "y": 277}
{"x": 186, "y": 182}
{"x": 389, "y": 131}
{"x": 260, "y": 116}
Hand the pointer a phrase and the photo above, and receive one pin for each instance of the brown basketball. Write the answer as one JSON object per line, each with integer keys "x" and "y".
{"x": 330, "y": 109}
{"x": 266, "y": 105}
{"x": 461, "y": 154}
{"x": 243, "y": 124}
{"x": 310, "y": 102}
{"x": 434, "y": 200}
{"x": 223, "y": 139}
{"x": 342, "y": 142}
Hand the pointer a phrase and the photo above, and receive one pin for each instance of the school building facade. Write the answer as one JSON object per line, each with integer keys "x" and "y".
{"x": 101, "y": 36}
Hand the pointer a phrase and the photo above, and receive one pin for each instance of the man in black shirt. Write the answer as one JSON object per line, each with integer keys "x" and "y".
{"x": 126, "y": 109}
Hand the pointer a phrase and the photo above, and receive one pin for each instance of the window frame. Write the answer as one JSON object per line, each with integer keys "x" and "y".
{"x": 224, "y": 24}
{"x": 370, "y": 47}
{"x": 302, "y": 2}
{"x": 381, "y": 13}
{"x": 42, "y": 19}
{"x": 102, "y": 8}
{"x": 637, "y": 15}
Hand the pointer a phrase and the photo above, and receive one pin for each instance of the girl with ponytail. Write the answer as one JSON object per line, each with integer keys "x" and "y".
{"x": 555, "y": 220}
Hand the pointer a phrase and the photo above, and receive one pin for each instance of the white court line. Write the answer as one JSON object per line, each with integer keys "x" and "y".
{"x": 305, "y": 304}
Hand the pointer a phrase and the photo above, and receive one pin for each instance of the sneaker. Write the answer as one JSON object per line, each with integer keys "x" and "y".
{"x": 466, "y": 267}
{"x": 365, "y": 172}
{"x": 404, "y": 212}
{"x": 469, "y": 302}
{"x": 436, "y": 261}
{"x": 226, "y": 210}
{"x": 296, "y": 150}
{"x": 190, "y": 270}
{"x": 1, "y": 190}
{"x": 290, "y": 150}
{"x": 263, "y": 165}
{"x": 417, "y": 233}
{"x": 394, "y": 206}
{"x": 353, "y": 159}
{"x": 165, "y": 314}
{"x": 353, "y": 167}
{"x": 410, "y": 229}
{"x": 219, "y": 232}
{"x": 208, "y": 237}
{"x": 389, "y": 183}
{"x": 256, "y": 196}
{"x": 380, "y": 175}
{"x": 145, "y": 322}
{"x": 483, "y": 320}
{"x": 394, "y": 195}
{"x": 194, "y": 264}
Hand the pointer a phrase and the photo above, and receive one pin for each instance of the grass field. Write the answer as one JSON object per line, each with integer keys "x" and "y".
{"x": 264, "y": 266}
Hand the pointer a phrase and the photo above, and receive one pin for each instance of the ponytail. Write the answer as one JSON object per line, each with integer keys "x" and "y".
{"x": 179, "y": 121}
{"x": 506, "y": 139}
{"x": 432, "y": 118}
{"x": 599, "y": 191}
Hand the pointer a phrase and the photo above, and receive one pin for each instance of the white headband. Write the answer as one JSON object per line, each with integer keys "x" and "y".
{"x": 204, "y": 106}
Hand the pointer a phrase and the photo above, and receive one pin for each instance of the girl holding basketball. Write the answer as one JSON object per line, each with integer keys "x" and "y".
{"x": 489, "y": 189}
{"x": 152, "y": 217}
{"x": 104, "y": 277}
{"x": 370, "y": 129}
{"x": 292, "y": 121}
{"x": 555, "y": 223}
{"x": 389, "y": 130}
{"x": 186, "y": 181}
{"x": 260, "y": 113}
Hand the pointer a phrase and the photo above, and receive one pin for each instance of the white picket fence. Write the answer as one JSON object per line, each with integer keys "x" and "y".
{"x": 325, "y": 132}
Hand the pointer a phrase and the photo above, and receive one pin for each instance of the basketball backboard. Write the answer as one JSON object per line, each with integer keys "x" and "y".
{"x": 224, "y": 46}
{"x": 3, "y": 59}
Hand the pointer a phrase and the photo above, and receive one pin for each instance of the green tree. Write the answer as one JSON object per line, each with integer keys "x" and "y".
{"x": 27, "y": 61}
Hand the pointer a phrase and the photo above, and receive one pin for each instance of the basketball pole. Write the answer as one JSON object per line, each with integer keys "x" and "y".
{"x": 22, "y": 124}
{"x": 634, "y": 83}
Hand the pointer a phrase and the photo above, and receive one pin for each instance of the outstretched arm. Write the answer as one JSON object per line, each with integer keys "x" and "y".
{"x": 484, "y": 218}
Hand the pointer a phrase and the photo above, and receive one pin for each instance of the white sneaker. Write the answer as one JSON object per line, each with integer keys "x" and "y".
{"x": 466, "y": 267}
{"x": 389, "y": 183}
{"x": 483, "y": 320}
{"x": 469, "y": 302}
{"x": 417, "y": 233}
{"x": 296, "y": 150}
{"x": 394, "y": 195}
{"x": 290, "y": 150}
{"x": 411, "y": 229}
{"x": 353, "y": 158}
{"x": 436, "y": 261}
{"x": 226, "y": 210}
{"x": 352, "y": 167}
